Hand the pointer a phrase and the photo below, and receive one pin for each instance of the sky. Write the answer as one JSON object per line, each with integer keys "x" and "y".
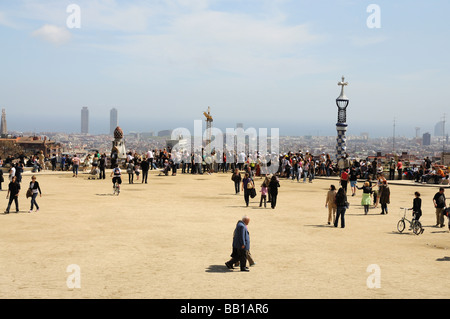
{"x": 265, "y": 63}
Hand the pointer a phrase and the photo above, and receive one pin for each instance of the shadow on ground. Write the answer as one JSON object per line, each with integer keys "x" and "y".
{"x": 217, "y": 269}
{"x": 443, "y": 259}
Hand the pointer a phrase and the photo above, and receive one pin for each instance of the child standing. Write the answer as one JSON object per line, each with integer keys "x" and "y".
{"x": 137, "y": 171}
{"x": 264, "y": 191}
{"x": 365, "y": 201}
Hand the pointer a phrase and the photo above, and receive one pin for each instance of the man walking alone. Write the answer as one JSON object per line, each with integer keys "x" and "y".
{"x": 241, "y": 245}
{"x": 439, "y": 204}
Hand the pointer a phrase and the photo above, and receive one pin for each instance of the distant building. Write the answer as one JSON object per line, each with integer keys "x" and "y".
{"x": 365, "y": 135}
{"x": 445, "y": 159}
{"x": 3, "y": 128}
{"x": 165, "y": 133}
{"x": 147, "y": 134}
{"x": 426, "y": 139}
{"x": 84, "y": 120}
{"x": 439, "y": 128}
{"x": 36, "y": 144}
{"x": 113, "y": 120}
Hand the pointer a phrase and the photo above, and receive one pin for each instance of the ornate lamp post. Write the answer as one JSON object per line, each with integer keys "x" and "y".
{"x": 341, "y": 125}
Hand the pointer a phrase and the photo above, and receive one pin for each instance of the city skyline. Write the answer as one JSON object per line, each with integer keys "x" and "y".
{"x": 265, "y": 63}
{"x": 434, "y": 130}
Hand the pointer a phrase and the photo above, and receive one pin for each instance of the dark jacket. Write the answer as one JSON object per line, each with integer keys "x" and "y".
{"x": 384, "y": 194}
{"x": 417, "y": 205}
{"x": 236, "y": 177}
{"x": 14, "y": 188}
{"x": 439, "y": 199}
{"x": 341, "y": 199}
{"x": 241, "y": 236}
{"x": 273, "y": 186}
{"x": 145, "y": 165}
{"x": 102, "y": 163}
{"x": 35, "y": 186}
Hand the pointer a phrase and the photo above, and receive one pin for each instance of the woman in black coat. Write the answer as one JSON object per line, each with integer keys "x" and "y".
{"x": 273, "y": 190}
{"x": 236, "y": 178}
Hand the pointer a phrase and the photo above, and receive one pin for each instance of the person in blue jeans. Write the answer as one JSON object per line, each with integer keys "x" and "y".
{"x": 75, "y": 165}
{"x": 13, "y": 194}
{"x": 341, "y": 203}
{"x": 35, "y": 190}
{"x": 247, "y": 186}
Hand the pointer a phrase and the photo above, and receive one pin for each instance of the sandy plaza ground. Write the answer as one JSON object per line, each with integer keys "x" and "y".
{"x": 170, "y": 238}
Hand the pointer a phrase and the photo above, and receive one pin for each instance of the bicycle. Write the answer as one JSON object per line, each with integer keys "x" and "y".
{"x": 116, "y": 188}
{"x": 414, "y": 224}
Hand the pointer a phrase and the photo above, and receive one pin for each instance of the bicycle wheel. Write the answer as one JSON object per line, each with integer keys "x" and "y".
{"x": 401, "y": 225}
{"x": 417, "y": 228}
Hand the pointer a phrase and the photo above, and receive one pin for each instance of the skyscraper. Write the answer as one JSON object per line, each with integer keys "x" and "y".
{"x": 3, "y": 128}
{"x": 113, "y": 120}
{"x": 426, "y": 139}
{"x": 84, "y": 120}
{"x": 439, "y": 128}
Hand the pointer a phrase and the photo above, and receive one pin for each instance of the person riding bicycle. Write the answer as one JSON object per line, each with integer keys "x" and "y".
{"x": 116, "y": 174}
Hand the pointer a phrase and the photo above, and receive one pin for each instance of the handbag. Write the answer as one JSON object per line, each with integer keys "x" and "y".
{"x": 253, "y": 193}
{"x": 29, "y": 193}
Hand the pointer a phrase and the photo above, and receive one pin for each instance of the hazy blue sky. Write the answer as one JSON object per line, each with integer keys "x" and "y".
{"x": 266, "y": 63}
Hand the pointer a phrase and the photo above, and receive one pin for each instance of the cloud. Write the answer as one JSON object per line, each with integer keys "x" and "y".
{"x": 362, "y": 41}
{"x": 205, "y": 40}
{"x": 53, "y": 34}
{"x": 5, "y": 21}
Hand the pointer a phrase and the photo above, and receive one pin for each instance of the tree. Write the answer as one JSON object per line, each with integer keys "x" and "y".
{"x": 10, "y": 148}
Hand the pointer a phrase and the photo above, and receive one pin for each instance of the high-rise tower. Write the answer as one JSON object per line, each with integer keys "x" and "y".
{"x": 84, "y": 120}
{"x": 113, "y": 120}
{"x": 3, "y": 128}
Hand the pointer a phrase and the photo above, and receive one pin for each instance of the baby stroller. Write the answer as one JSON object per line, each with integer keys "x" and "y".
{"x": 94, "y": 173}
{"x": 166, "y": 169}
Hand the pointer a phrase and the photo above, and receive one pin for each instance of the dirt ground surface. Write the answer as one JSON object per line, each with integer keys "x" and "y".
{"x": 170, "y": 238}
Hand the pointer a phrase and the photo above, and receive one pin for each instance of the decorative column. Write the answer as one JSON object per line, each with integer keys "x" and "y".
{"x": 118, "y": 145}
{"x": 208, "y": 139}
{"x": 341, "y": 125}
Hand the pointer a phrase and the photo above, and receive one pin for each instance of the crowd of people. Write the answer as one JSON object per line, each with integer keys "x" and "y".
{"x": 375, "y": 191}
{"x": 244, "y": 168}
{"x": 292, "y": 165}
